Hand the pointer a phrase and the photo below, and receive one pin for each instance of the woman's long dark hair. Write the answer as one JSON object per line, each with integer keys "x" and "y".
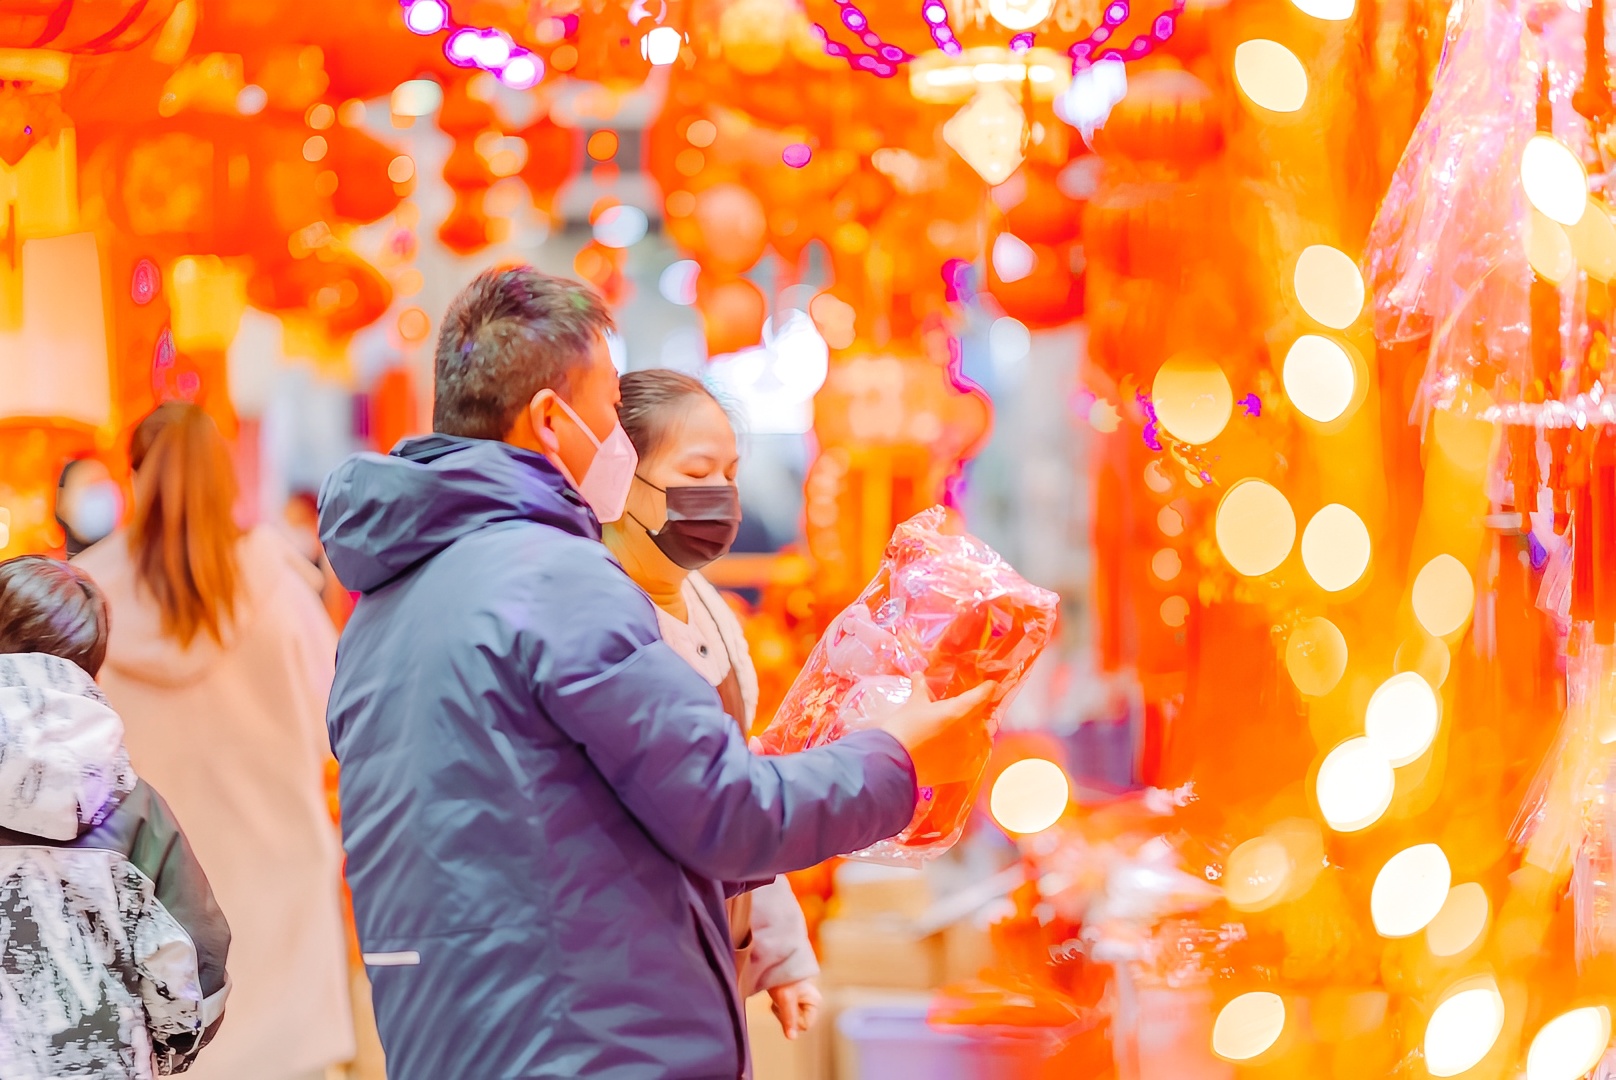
{"x": 183, "y": 536}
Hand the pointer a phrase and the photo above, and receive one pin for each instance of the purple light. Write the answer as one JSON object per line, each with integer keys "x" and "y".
{"x": 952, "y": 48}
{"x": 1086, "y": 52}
{"x": 892, "y": 53}
{"x": 1021, "y": 42}
{"x": 461, "y": 48}
{"x": 1252, "y": 404}
{"x": 853, "y": 18}
{"x": 426, "y": 17}
{"x": 1152, "y": 440}
{"x": 522, "y": 72}
{"x": 935, "y": 14}
{"x": 943, "y": 33}
{"x": 797, "y": 155}
{"x": 871, "y": 39}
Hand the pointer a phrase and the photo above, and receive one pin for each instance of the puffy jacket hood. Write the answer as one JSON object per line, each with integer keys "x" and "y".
{"x": 382, "y": 514}
{"x": 63, "y": 766}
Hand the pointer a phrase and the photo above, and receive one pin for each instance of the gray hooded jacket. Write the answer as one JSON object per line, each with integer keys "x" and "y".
{"x": 540, "y": 799}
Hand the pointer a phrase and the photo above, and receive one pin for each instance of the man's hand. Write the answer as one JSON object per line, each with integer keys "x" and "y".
{"x": 796, "y": 1005}
{"x": 920, "y": 719}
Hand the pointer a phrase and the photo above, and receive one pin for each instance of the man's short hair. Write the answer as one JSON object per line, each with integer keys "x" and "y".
{"x": 508, "y": 335}
{"x": 52, "y": 607}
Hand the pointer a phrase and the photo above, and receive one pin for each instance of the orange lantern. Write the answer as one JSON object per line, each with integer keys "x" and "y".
{"x": 732, "y": 311}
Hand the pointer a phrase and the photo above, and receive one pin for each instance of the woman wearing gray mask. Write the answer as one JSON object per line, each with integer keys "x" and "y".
{"x": 683, "y": 512}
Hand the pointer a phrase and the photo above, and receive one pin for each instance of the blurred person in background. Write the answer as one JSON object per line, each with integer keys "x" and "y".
{"x": 89, "y": 504}
{"x": 220, "y": 660}
{"x": 301, "y": 516}
{"x": 683, "y": 513}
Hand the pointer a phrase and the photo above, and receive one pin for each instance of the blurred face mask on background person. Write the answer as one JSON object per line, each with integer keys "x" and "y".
{"x": 605, "y": 484}
{"x": 701, "y": 524}
{"x": 92, "y": 511}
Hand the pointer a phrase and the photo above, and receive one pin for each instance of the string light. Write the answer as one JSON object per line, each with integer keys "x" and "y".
{"x": 486, "y": 48}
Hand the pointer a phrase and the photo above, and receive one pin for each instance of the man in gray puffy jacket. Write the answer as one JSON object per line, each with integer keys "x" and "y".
{"x": 541, "y": 802}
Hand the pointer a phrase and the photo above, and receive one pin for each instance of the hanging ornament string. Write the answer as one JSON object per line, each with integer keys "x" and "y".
{"x": 1161, "y": 28}
{"x": 886, "y": 58}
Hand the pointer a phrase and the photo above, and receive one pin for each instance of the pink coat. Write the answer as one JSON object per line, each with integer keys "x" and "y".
{"x": 234, "y": 737}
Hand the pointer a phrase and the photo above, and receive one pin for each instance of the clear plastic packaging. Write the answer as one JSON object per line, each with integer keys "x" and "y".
{"x": 945, "y": 608}
{"x": 1446, "y": 257}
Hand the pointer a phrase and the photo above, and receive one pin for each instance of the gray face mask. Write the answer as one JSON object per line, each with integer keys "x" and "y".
{"x": 702, "y": 522}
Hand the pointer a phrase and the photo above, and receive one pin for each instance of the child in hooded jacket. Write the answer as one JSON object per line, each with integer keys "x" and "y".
{"x": 112, "y": 949}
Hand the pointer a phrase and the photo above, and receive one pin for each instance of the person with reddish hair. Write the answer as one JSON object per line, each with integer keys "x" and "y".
{"x": 220, "y": 660}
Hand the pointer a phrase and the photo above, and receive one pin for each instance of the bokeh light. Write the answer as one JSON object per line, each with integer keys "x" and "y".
{"x": 1461, "y": 922}
{"x": 1316, "y": 656}
{"x": 1192, "y": 398}
{"x": 1554, "y": 180}
{"x": 1248, "y": 1026}
{"x": 1256, "y": 874}
{"x": 1255, "y": 527}
{"x": 1335, "y": 548}
{"x": 677, "y": 283}
{"x": 1020, "y": 14}
{"x": 426, "y": 16}
{"x": 1463, "y": 1028}
{"x": 1410, "y": 891}
{"x": 602, "y": 145}
{"x": 1444, "y": 596}
{"x": 1570, "y": 1045}
{"x": 417, "y": 97}
{"x": 1401, "y": 719}
{"x": 661, "y": 45}
{"x": 1593, "y": 241}
{"x": 1548, "y": 249}
{"x": 1328, "y": 286}
{"x": 1166, "y": 564}
{"x": 1175, "y": 611}
{"x": 620, "y": 226}
{"x": 1355, "y": 786}
{"x": 1013, "y": 258}
{"x": 1009, "y": 341}
{"x": 1328, "y": 10}
{"x": 1270, "y": 75}
{"x": 1319, "y": 378}
{"x": 1029, "y": 796}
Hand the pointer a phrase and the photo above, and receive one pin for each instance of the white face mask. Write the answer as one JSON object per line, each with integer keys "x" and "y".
{"x": 605, "y": 484}
{"x": 94, "y": 511}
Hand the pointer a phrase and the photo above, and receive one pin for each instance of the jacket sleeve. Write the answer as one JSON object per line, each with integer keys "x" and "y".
{"x": 781, "y": 952}
{"x": 181, "y": 939}
{"x": 657, "y": 733}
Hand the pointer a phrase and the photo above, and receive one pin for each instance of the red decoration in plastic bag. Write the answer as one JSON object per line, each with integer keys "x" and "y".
{"x": 945, "y": 608}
